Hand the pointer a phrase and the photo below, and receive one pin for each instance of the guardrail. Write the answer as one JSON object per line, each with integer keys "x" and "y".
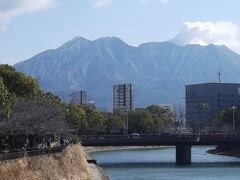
{"x": 17, "y": 153}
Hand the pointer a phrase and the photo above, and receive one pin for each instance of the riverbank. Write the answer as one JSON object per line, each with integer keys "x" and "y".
{"x": 71, "y": 164}
{"x": 232, "y": 152}
{"x": 97, "y": 172}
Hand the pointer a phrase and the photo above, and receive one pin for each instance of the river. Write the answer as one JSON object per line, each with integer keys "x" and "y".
{"x": 151, "y": 164}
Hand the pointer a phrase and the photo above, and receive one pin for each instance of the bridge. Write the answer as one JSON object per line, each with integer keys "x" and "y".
{"x": 183, "y": 143}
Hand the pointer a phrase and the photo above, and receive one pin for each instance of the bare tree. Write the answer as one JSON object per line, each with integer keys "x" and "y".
{"x": 38, "y": 117}
{"x": 179, "y": 116}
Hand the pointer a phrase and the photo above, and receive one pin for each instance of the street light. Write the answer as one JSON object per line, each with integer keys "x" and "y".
{"x": 233, "y": 120}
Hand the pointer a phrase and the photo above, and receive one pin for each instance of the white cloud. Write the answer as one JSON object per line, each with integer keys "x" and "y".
{"x": 101, "y": 3}
{"x": 12, "y": 8}
{"x": 204, "y": 33}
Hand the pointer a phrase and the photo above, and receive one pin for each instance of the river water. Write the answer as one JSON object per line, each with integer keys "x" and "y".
{"x": 151, "y": 164}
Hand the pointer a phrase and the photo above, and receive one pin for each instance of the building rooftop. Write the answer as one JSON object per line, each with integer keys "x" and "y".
{"x": 211, "y": 83}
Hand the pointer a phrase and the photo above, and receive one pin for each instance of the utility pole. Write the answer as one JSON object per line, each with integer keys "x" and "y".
{"x": 125, "y": 121}
{"x": 124, "y": 113}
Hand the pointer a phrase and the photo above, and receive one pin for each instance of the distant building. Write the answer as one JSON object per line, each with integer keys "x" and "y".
{"x": 123, "y": 96}
{"x": 78, "y": 98}
{"x": 204, "y": 101}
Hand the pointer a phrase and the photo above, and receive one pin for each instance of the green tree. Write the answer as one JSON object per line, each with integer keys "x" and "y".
{"x": 140, "y": 121}
{"x": 51, "y": 97}
{"x": 6, "y": 101}
{"x": 95, "y": 121}
{"x": 76, "y": 118}
{"x": 225, "y": 118}
{"x": 113, "y": 124}
{"x": 162, "y": 117}
{"x": 18, "y": 83}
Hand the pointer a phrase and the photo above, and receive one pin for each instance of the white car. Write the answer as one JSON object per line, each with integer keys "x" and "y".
{"x": 135, "y": 136}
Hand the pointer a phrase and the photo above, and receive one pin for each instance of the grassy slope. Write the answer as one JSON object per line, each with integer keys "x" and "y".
{"x": 69, "y": 165}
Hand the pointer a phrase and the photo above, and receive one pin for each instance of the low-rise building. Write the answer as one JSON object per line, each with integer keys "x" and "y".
{"x": 204, "y": 101}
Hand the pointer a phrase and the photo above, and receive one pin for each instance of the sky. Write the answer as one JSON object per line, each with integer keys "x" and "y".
{"x": 28, "y": 27}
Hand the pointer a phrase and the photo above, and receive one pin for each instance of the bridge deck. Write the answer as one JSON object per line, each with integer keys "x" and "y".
{"x": 157, "y": 140}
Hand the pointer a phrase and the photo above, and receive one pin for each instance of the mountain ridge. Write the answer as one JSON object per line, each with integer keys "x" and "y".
{"x": 158, "y": 70}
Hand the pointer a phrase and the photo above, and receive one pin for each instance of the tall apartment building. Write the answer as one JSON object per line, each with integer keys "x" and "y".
{"x": 123, "y": 96}
{"x": 78, "y": 98}
{"x": 204, "y": 101}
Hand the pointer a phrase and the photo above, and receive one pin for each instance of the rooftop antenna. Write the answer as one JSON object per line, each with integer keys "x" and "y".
{"x": 219, "y": 77}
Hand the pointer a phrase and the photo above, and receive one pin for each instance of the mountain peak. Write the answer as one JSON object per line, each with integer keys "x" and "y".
{"x": 110, "y": 41}
{"x": 109, "y": 38}
{"x": 76, "y": 42}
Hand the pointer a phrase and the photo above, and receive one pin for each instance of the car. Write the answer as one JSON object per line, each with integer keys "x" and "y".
{"x": 135, "y": 136}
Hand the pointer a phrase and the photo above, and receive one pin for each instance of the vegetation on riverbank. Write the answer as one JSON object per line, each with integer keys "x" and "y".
{"x": 29, "y": 112}
{"x": 226, "y": 151}
{"x": 224, "y": 120}
{"x": 25, "y": 109}
{"x": 71, "y": 164}
{"x": 149, "y": 120}
{"x": 23, "y": 102}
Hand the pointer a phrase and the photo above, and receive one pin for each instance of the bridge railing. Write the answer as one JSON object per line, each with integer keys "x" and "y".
{"x": 163, "y": 138}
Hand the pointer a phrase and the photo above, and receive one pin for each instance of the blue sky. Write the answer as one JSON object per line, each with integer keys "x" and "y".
{"x": 28, "y": 27}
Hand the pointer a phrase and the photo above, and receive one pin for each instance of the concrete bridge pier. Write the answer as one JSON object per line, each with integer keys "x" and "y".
{"x": 183, "y": 154}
